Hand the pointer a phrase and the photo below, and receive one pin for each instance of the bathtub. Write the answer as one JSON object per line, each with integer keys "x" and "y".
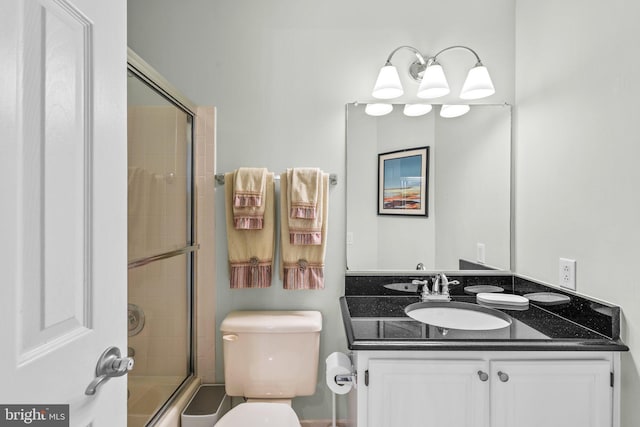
{"x": 146, "y": 395}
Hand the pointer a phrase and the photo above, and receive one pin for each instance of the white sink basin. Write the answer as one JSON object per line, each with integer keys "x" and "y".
{"x": 458, "y": 315}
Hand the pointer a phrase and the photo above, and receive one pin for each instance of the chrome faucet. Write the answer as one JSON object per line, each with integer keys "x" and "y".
{"x": 436, "y": 282}
{"x": 440, "y": 289}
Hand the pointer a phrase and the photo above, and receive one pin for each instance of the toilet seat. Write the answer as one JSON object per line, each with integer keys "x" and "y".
{"x": 258, "y": 414}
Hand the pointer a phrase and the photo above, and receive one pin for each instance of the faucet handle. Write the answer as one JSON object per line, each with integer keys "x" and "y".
{"x": 425, "y": 286}
{"x": 445, "y": 286}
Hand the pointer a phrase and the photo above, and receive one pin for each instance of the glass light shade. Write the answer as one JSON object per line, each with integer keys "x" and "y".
{"x": 378, "y": 109}
{"x": 388, "y": 85}
{"x": 415, "y": 110}
{"x": 450, "y": 111}
{"x": 478, "y": 84}
{"x": 434, "y": 83}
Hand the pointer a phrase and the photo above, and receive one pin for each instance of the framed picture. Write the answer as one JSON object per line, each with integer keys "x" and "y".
{"x": 403, "y": 182}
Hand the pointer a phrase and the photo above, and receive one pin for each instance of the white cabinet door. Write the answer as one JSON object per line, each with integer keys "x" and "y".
{"x": 428, "y": 393}
{"x": 551, "y": 393}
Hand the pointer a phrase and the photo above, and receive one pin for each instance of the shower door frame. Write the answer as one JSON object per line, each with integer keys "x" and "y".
{"x": 141, "y": 69}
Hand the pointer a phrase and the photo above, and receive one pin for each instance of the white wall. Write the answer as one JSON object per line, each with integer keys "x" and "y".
{"x": 280, "y": 73}
{"x": 577, "y": 127}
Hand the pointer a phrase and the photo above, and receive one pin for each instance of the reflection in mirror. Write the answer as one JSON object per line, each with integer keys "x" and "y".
{"x": 469, "y": 194}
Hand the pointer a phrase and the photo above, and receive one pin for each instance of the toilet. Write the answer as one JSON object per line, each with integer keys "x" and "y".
{"x": 270, "y": 357}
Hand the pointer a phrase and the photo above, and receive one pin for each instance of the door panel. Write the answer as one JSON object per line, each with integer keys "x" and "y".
{"x": 56, "y": 170}
{"x": 560, "y": 393}
{"x": 63, "y": 192}
{"x": 423, "y": 393}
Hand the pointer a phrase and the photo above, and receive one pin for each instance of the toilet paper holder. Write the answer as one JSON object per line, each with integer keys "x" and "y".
{"x": 344, "y": 379}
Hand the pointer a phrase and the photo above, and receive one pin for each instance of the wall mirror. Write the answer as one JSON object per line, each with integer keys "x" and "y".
{"x": 468, "y": 224}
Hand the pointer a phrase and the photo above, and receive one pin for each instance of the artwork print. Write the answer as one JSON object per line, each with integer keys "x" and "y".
{"x": 403, "y": 182}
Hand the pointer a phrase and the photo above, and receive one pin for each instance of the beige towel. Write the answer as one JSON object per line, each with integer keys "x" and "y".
{"x": 248, "y": 194}
{"x": 304, "y": 190}
{"x": 302, "y": 266}
{"x": 248, "y": 186}
{"x": 251, "y": 251}
{"x": 303, "y": 231}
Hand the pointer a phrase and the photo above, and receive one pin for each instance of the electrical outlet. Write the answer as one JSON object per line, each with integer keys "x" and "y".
{"x": 567, "y": 273}
{"x": 480, "y": 253}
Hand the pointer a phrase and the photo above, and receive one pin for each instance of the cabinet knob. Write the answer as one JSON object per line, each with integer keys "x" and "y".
{"x": 503, "y": 376}
{"x": 483, "y": 376}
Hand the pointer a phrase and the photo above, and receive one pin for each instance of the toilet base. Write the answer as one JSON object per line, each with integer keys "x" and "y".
{"x": 257, "y": 414}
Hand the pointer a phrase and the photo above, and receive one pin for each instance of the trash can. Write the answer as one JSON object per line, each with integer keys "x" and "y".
{"x": 206, "y": 407}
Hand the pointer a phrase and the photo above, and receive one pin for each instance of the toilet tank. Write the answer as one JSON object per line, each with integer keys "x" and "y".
{"x": 271, "y": 354}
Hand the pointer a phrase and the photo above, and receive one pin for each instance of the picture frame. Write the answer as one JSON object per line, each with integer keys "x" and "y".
{"x": 403, "y": 182}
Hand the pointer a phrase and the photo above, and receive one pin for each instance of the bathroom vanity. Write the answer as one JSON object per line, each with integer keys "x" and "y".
{"x": 554, "y": 365}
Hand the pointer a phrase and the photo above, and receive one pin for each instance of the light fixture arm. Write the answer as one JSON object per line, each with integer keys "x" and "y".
{"x": 434, "y": 57}
{"x": 415, "y": 51}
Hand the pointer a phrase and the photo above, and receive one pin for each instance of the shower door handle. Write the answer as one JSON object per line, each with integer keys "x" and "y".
{"x": 110, "y": 364}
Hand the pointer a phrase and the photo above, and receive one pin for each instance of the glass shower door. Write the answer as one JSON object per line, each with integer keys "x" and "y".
{"x": 160, "y": 248}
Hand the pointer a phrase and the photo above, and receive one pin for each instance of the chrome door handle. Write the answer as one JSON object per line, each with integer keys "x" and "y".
{"x": 110, "y": 364}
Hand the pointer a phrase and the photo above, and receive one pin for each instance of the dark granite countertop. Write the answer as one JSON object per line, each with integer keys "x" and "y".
{"x": 378, "y": 322}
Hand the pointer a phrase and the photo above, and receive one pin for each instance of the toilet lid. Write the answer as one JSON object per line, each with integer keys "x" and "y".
{"x": 258, "y": 414}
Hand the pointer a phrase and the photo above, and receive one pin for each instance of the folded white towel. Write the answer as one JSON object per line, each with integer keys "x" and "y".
{"x": 305, "y": 230}
{"x": 304, "y": 190}
{"x": 248, "y": 198}
{"x": 248, "y": 186}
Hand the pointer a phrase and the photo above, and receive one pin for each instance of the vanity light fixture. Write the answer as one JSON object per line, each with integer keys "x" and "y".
{"x": 449, "y": 111}
{"x": 433, "y": 82}
{"x": 378, "y": 109}
{"x": 415, "y": 110}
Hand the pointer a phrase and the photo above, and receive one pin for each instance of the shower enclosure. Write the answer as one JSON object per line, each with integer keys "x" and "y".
{"x": 160, "y": 245}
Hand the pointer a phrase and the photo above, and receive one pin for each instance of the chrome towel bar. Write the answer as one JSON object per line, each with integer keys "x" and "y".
{"x": 333, "y": 178}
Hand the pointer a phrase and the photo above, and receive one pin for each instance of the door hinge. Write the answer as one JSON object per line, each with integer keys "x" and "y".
{"x": 366, "y": 377}
{"x": 611, "y": 379}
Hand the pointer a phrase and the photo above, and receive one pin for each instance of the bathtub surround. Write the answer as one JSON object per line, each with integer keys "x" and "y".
{"x": 205, "y": 294}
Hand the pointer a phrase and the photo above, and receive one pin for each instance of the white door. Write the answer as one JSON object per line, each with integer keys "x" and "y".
{"x": 428, "y": 393}
{"x": 551, "y": 393}
{"x": 62, "y": 205}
